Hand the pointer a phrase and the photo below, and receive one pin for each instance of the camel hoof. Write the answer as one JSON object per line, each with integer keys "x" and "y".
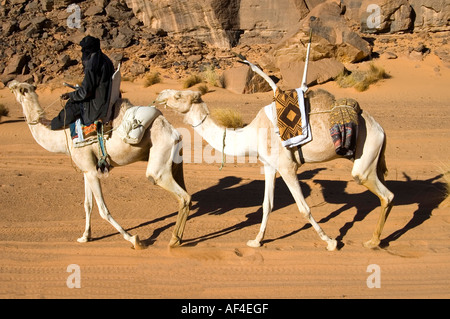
{"x": 175, "y": 242}
{"x": 332, "y": 244}
{"x": 253, "y": 243}
{"x": 137, "y": 244}
{"x": 83, "y": 239}
{"x": 371, "y": 244}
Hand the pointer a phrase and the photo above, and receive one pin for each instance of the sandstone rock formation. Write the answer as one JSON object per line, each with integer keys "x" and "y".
{"x": 431, "y": 15}
{"x": 222, "y": 23}
{"x": 39, "y": 38}
{"x": 331, "y": 37}
{"x": 378, "y": 16}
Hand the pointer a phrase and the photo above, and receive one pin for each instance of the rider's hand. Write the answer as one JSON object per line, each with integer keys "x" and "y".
{"x": 65, "y": 96}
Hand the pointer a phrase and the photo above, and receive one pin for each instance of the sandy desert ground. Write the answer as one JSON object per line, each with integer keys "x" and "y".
{"x": 42, "y": 215}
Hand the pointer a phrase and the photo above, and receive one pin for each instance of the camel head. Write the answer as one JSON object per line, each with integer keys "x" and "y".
{"x": 25, "y": 94}
{"x": 22, "y": 90}
{"x": 180, "y": 101}
{"x": 188, "y": 103}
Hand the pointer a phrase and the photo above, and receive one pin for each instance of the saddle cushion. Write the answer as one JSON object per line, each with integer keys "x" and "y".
{"x": 344, "y": 125}
{"x": 135, "y": 121}
{"x": 83, "y": 135}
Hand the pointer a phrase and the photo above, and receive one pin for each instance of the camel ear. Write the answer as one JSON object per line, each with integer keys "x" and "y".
{"x": 23, "y": 90}
{"x": 13, "y": 84}
{"x": 196, "y": 97}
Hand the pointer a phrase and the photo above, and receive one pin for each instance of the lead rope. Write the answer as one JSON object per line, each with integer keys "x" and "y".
{"x": 102, "y": 164}
{"x": 223, "y": 149}
{"x": 63, "y": 105}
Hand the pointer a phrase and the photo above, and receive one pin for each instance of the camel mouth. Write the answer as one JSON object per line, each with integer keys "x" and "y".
{"x": 162, "y": 98}
{"x": 160, "y": 102}
{"x": 12, "y": 85}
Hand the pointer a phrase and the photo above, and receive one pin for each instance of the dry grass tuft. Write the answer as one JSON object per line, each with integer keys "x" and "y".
{"x": 203, "y": 89}
{"x": 228, "y": 118}
{"x": 361, "y": 80}
{"x": 192, "y": 80}
{"x": 4, "y": 111}
{"x": 211, "y": 77}
{"x": 152, "y": 78}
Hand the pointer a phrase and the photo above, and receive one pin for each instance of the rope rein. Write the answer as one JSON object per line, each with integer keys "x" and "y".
{"x": 332, "y": 109}
{"x": 75, "y": 167}
{"x": 202, "y": 121}
{"x": 223, "y": 141}
{"x": 223, "y": 149}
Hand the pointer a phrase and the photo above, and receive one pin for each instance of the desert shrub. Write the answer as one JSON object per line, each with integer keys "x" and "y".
{"x": 128, "y": 79}
{"x": 4, "y": 111}
{"x": 192, "y": 80}
{"x": 228, "y": 118}
{"x": 152, "y": 78}
{"x": 211, "y": 77}
{"x": 361, "y": 80}
{"x": 203, "y": 89}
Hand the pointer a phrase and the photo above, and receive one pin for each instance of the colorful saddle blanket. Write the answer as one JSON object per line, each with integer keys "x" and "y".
{"x": 343, "y": 126}
{"x": 83, "y": 135}
{"x": 289, "y": 116}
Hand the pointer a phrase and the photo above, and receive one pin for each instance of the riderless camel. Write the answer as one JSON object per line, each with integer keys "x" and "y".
{"x": 259, "y": 139}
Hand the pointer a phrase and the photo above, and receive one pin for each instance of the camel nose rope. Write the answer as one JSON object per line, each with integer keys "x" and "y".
{"x": 56, "y": 100}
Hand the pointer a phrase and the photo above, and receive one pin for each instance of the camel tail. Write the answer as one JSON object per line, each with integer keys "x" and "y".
{"x": 177, "y": 163}
{"x": 382, "y": 169}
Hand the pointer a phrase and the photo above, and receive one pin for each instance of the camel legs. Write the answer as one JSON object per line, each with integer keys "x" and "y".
{"x": 88, "y": 209}
{"x": 160, "y": 172}
{"x": 386, "y": 197}
{"x": 290, "y": 178}
{"x": 365, "y": 172}
{"x": 269, "y": 189}
{"x": 94, "y": 185}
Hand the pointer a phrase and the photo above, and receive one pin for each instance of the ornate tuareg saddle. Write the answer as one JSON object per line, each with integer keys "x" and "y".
{"x": 289, "y": 117}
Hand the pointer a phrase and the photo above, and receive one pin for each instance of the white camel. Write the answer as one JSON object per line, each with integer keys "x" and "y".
{"x": 259, "y": 139}
{"x": 159, "y": 145}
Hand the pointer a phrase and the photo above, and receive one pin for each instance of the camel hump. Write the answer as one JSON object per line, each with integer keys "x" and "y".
{"x": 347, "y": 102}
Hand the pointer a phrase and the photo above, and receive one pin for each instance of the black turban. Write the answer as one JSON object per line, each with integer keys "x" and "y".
{"x": 89, "y": 45}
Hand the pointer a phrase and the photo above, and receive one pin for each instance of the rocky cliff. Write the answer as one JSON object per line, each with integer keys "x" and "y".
{"x": 224, "y": 23}
{"x": 39, "y": 38}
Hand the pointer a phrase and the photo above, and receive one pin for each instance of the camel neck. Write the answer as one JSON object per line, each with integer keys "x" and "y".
{"x": 238, "y": 142}
{"x": 52, "y": 141}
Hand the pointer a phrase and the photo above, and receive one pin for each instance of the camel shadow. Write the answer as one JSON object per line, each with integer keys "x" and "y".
{"x": 226, "y": 196}
{"x": 427, "y": 194}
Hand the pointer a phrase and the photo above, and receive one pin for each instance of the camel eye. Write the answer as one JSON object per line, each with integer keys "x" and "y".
{"x": 177, "y": 96}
